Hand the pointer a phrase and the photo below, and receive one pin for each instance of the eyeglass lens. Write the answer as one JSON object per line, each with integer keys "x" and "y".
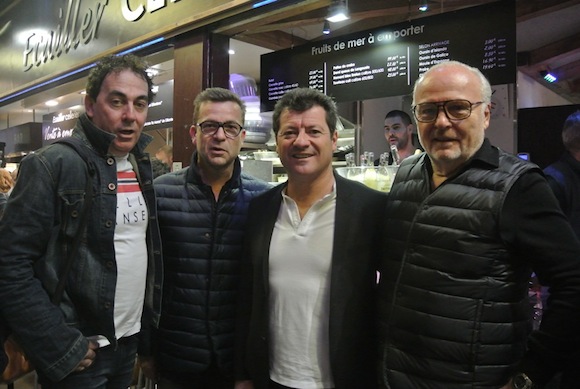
{"x": 231, "y": 129}
{"x": 454, "y": 109}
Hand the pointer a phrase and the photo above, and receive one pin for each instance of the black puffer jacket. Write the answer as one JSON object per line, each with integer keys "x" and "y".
{"x": 202, "y": 241}
{"x": 449, "y": 281}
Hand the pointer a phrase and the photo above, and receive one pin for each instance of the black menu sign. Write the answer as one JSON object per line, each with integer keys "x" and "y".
{"x": 387, "y": 61}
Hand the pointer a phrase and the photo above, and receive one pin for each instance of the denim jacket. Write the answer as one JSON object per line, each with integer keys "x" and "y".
{"x": 36, "y": 232}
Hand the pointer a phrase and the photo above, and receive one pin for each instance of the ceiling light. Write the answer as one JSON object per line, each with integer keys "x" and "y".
{"x": 338, "y": 11}
{"x": 546, "y": 75}
{"x": 231, "y": 52}
{"x": 51, "y": 103}
{"x": 423, "y": 6}
{"x": 152, "y": 72}
{"x": 326, "y": 28}
{"x": 263, "y": 3}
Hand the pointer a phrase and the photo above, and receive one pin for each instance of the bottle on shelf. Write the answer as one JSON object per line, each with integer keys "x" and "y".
{"x": 395, "y": 155}
{"x": 384, "y": 179}
{"x": 370, "y": 173}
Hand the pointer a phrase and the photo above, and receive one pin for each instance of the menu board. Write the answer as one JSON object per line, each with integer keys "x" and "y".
{"x": 386, "y": 61}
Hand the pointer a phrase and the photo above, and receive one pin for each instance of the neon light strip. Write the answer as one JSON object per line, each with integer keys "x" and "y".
{"x": 146, "y": 44}
{"x": 19, "y": 93}
{"x": 264, "y": 2}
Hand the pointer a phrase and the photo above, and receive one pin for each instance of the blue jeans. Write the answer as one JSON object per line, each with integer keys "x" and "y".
{"x": 111, "y": 369}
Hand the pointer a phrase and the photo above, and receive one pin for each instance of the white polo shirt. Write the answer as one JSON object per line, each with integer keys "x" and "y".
{"x": 300, "y": 265}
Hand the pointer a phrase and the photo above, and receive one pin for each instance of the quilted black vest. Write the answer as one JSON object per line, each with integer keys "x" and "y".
{"x": 453, "y": 304}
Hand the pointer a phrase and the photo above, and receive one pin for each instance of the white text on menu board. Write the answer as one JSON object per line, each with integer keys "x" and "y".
{"x": 494, "y": 53}
{"x": 397, "y": 66}
{"x": 276, "y": 89}
{"x": 432, "y": 53}
{"x": 350, "y": 72}
{"x": 381, "y": 37}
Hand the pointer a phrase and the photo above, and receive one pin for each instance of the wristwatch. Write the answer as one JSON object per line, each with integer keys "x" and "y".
{"x": 522, "y": 381}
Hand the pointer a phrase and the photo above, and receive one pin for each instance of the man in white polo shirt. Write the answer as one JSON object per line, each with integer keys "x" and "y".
{"x": 307, "y": 301}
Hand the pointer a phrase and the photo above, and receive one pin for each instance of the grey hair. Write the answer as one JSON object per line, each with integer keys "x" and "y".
{"x": 484, "y": 82}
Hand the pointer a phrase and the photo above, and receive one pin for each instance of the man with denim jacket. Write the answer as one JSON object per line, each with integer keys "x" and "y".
{"x": 112, "y": 293}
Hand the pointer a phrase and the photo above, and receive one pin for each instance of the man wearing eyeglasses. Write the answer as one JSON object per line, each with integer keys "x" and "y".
{"x": 202, "y": 214}
{"x": 470, "y": 223}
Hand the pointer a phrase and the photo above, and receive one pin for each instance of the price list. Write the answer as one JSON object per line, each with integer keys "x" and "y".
{"x": 494, "y": 53}
{"x": 316, "y": 79}
{"x": 432, "y": 53}
{"x": 277, "y": 88}
{"x": 397, "y": 66}
{"x": 387, "y": 61}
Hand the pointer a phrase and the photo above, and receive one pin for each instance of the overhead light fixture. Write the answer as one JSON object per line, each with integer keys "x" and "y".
{"x": 152, "y": 72}
{"x": 231, "y": 52}
{"x": 263, "y": 3}
{"x": 326, "y": 28}
{"x": 549, "y": 77}
{"x": 338, "y": 11}
{"x": 51, "y": 103}
{"x": 423, "y": 6}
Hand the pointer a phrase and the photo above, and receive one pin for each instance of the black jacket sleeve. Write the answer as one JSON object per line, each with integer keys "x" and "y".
{"x": 539, "y": 234}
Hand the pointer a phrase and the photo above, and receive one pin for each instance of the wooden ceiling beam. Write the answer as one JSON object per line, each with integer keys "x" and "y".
{"x": 276, "y": 40}
{"x": 249, "y": 24}
{"x": 555, "y": 50}
{"x": 529, "y": 9}
{"x": 570, "y": 71}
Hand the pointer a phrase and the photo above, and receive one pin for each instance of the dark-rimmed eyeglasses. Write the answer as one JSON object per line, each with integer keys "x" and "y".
{"x": 454, "y": 110}
{"x": 210, "y": 127}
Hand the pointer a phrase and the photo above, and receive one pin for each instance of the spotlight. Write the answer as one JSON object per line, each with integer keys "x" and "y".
{"x": 338, "y": 11}
{"x": 326, "y": 28}
{"x": 549, "y": 77}
{"x": 423, "y": 6}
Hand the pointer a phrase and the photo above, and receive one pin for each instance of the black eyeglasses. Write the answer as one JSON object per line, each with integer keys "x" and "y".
{"x": 454, "y": 110}
{"x": 231, "y": 129}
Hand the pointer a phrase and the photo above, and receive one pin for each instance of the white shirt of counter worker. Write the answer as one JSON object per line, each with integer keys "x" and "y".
{"x": 299, "y": 273}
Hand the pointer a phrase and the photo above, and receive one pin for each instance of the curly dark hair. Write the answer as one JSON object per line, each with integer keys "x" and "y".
{"x": 302, "y": 99}
{"x": 114, "y": 64}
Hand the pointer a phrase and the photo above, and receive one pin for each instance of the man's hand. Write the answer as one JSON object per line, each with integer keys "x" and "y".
{"x": 89, "y": 357}
{"x": 244, "y": 385}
